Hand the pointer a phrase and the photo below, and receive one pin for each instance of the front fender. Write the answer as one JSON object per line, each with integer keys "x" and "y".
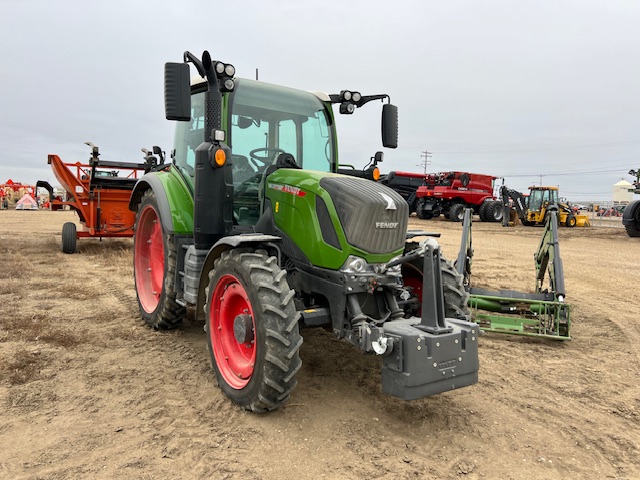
{"x": 222, "y": 245}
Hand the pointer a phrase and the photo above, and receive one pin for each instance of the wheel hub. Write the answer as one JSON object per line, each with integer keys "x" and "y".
{"x": 243, "y": 328}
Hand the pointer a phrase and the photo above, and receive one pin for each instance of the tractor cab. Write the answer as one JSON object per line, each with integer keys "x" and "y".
{"x": 540, "y": 196}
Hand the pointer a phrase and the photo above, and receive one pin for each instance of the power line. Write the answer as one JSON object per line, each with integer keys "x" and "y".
{"x": 538, "y": 149}
{"x": 574, "y": 172}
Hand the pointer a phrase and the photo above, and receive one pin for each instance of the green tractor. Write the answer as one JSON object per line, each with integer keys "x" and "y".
{"x": 252, "y": 225}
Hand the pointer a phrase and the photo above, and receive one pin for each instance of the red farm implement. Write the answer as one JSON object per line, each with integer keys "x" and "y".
{"x": 99, "y": 193}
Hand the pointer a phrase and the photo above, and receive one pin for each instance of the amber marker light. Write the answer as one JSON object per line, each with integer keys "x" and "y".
{"x": 376, "y": 174}
{"x": 220, "y": 157}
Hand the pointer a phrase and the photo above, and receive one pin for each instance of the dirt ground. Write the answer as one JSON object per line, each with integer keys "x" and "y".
{"x": 88, "y": 391}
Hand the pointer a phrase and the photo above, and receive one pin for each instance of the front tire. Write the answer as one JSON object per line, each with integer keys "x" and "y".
{"x": 420, "y": 211}
{"x": 252, "y": 329}
{"x": 482, "y": 212}
{"x": 495, "y": 211}
{"x": 456, "y": 212}
{"x": 154, "y": 266}
{"x": 456, "y": 297}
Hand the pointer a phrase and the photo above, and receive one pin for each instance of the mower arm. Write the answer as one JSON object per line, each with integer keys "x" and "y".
{"x": 548, "y": 257}
{"x": 465, "y": 255}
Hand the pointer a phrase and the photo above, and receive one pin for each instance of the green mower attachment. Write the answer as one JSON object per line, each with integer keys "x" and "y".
{"x": 541, "y": 314}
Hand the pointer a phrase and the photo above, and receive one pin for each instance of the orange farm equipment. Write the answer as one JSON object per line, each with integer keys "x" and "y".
{"x": 99, "y": 193}
{"x": 14, "y": 191}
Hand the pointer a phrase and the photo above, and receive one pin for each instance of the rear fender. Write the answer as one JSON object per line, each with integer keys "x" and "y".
{"x": 222, "y": 245}
{"x": 174, "y": 201}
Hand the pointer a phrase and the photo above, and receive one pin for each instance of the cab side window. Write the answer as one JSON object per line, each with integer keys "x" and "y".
{"x": 188, "y": 136}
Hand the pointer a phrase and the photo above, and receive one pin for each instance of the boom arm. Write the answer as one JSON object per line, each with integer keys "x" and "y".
{"x": 519, "y": 202}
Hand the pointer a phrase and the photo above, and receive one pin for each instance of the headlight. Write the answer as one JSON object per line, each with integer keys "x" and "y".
{"x": 229, "y": 85}
{"x": 356, "y": 96}
{"x": 398, "y": 268}
{"x": 346, "y": 95}
{"x": 354, "y": 265}
{"x": 229, "y": 70}
{"x": 347, "y": 108}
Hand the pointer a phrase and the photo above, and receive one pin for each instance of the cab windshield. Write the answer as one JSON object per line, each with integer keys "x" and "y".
{"x": 538, "y": 197}
{"x": 265, "y": 121}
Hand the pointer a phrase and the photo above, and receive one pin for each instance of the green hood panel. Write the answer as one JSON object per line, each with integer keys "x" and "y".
{"x": 293, "y": 195}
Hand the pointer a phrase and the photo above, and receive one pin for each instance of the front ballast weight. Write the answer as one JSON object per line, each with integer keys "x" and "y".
{"x": 421, "y": 356}
{"x": 543, "y": 314}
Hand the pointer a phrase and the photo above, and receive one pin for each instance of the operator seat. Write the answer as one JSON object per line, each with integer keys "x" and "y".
{"x": 242, "y": 170}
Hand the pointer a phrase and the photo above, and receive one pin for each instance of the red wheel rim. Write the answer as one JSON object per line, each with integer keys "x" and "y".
{"x": 413, "y": 278}
{"x": 235, "y": 360}
{"x": 149, "y": 259}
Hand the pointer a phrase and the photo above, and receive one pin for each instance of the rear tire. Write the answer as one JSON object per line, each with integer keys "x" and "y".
{"x": 154, "y": 266}
{"x": 456, "y": 212}
{"x": 69, "y": 237}
{"x": 456, "y": 298}
{"x": 252, "y": 329}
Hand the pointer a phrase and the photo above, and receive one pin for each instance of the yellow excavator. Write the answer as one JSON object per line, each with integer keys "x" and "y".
{"x": 532, "y": 210}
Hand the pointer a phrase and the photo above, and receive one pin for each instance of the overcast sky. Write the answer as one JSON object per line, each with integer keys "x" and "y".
{"x": 527, "y": 90}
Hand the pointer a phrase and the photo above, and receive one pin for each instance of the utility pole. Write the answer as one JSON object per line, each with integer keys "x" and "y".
{"x": 425, "y": 160}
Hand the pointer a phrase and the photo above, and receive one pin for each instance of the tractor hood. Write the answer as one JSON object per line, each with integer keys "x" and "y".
{"x": 330, "y": 216}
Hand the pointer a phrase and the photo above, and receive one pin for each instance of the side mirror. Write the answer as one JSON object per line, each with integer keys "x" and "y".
{"x": 177, "y": 92}
{"x": 244, "y": 122}
{"x": 389, "y": 126}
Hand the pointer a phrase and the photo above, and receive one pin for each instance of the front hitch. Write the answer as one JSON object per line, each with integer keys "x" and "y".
{"x": 432, "y": 354}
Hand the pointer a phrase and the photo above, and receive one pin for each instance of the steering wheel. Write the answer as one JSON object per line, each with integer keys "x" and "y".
{"x": 261, "y": 161}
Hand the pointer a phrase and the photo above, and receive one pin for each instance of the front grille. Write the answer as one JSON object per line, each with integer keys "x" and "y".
{"x": 363, "y": 210}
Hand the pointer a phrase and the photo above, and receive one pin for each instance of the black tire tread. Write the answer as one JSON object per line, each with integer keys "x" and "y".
{"x": 456, "y": 298}
{"x": 495, "y": 211}
{"x": 482, "y": 212}
{"x": 633, "y": 229}
{"x": 420, "y": 209}
{"x": 69, "y": 238}
{"x": 169, "y": 313}
{"x": 456, "y": 212}
{"x": 282, "y": 339}
{"x": 633, "y": 222}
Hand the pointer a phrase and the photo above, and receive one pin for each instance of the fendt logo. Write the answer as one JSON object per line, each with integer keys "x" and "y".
{"x": 386, "y": 224}
{"x": 391, "y": 205}
{"x": 288, "y": 189}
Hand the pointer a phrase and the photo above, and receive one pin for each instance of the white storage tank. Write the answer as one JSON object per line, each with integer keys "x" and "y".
{"x": 621, "y": 193}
